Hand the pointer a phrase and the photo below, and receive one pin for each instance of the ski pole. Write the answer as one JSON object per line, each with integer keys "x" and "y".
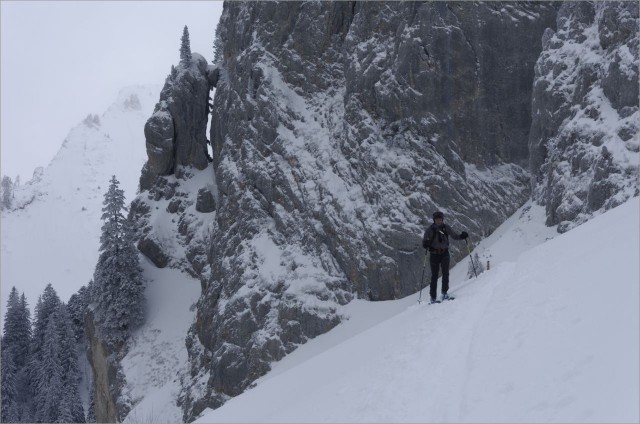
{"x": 424, "y": 265}
{"x": 471, "y": 257}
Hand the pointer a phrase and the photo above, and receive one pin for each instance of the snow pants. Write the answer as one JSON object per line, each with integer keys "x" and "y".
{"x": 437, "y": 261}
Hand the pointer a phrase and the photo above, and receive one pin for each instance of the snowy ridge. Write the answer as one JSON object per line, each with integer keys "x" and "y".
{"x": 52, "y": 234}
{"x": 536, "y": 338}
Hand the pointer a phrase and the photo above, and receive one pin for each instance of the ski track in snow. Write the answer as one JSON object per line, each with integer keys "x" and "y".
{"x": 537, "y": 338}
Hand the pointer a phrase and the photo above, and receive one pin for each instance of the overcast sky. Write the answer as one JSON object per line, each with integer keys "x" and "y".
{"x": 62, "y": 60}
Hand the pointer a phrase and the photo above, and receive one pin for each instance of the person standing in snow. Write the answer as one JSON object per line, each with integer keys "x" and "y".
{"x": 436, "y": 241}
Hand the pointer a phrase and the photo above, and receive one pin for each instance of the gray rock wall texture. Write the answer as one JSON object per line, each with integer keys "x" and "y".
{"x": 337, "y": 129}
{"x": 107, "y": 379}
{"x": 176, "y": 132}
{"x": 584, "y": 138}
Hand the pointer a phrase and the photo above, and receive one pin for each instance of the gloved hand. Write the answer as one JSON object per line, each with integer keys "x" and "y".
{"x": 464, "y": 235}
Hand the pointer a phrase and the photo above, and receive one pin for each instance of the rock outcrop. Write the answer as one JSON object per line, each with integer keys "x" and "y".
{"x": 584, "y": 138}
{"x": 168, "y": 211}
{"x": 107, "y": 376}
{"x": 337, "y": 129}
{"x": 176, "y": 132}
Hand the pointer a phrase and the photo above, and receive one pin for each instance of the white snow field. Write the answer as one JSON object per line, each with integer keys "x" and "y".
{"x": 53, "y": 233}
{"x": 550, "y": 334}
{"x": 158, "y": 355}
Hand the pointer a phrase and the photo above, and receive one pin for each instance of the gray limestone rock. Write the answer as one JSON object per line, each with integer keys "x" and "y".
{"x": 205, "y": 202}
{"x": 338, "y": 130}
{"x": 151, "y": 249}
{"x": 176, "y": 132}
{"x": 585, "y": 106}
{"x": 159, "y": 132}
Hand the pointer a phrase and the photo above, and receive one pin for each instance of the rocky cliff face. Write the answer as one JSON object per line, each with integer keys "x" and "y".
{"x": 584, "y": 134}
{"x": 177, "y": 182}
{"x": 107, "y": 378}
{"x": 338, "y": 128}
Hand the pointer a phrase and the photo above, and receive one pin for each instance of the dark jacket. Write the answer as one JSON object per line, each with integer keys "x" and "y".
{"x": 436, "y": 238}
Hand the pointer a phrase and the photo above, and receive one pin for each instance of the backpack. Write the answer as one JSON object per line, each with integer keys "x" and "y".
{"x": 434, "y": 233}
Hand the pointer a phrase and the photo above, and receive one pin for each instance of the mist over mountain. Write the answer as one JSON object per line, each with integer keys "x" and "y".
{"x": 51, "y": 232}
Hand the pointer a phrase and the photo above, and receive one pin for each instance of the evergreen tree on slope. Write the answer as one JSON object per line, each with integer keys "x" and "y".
{"x": 185, "y": 46}
{"x": 43, "y": 358}
{"x": 49, "y": 375}
{"x": 15, "y": 351}
{"x": 17, "y": 327}
{"x": 118, "y": 289}
{"x": 77, "y": 306}
{"x": 71, "y": 406}
{"x": 8, "y": 384}
{"x": 48, "y": 303}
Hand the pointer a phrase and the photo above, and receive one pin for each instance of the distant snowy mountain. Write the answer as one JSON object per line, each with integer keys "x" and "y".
{"x": 51, "y": 234}
{"x": 547, "y": 335}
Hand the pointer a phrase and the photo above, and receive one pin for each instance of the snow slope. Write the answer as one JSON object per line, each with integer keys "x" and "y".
{"x": 550, "y": 333}
{"x": 52, "y": 234}
{"x": 158, "y": 357}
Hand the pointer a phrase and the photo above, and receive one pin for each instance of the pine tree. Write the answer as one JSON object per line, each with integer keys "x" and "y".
{"x": 47, "y": 304}
{"x": 117, "y": 283}
{"x": 174, "y": 73}
{"x": 54, "y": 373}
{"x": 15, "y": 344}
{"x": 8, "y": 383}
{"x": 70, "y": 410}
{"x": 7, "y": 190}
{"x": 49, "y": 376}
{"x": 77, "y": 306}
{"x": 185, "y": 46}
{"x": 11, "y": 318}
{"x": 23, "y": 332}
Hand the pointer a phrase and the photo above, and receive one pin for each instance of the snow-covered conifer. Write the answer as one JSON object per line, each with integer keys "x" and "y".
{"x": 54, "y": 372}
{"x": 48, "y": 380}
{"x": 8, "y": 383}
{"x": 15, "y": 349}
{"x": 117, "y": 284}
{"x": 17, "y": 327}
{"x": 71, "y": 406}
{"x": 185, "y": 46}
{"x": 76, "y": 307}
{"x": 47, "y": 304}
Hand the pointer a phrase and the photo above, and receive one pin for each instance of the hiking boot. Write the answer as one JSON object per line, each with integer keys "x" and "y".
{"x": 445, "y": 296}
{"x": 434, "y": 300}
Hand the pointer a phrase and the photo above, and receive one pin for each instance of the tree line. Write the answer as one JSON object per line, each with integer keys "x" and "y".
{"x": 39, "y": 357}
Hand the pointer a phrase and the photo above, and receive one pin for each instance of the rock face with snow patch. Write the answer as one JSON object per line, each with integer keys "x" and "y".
{"x": 107, "y": 377}
{"x": 177, "y": 176}
{"x": 176, "y": 132}
{"x": 338, "y": 128}
{"x": 584, "y": 134}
